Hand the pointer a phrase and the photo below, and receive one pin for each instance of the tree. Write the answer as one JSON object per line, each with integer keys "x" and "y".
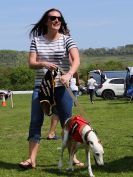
{"x": 5, "y": 78}
{"x": 22, "y": 78}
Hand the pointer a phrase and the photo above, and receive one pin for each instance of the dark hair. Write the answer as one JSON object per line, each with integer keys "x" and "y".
{"x": 91, "y": 76}
{"x": 40, "y": 28}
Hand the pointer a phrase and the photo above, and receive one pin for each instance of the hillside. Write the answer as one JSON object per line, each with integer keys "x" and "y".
{"x": 16, "y": 58}
{"x": 15, "y": 74}
{"x": 13, "y": 58}
{"x": 126, "y": 60}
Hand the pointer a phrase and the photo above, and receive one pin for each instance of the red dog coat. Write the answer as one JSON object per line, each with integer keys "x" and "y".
{"x": 75, "y": 125}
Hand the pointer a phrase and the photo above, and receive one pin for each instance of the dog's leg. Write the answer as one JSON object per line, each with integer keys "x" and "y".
{"x": 71, "y": 155}
{"x": 89, "y": 162}
{"x": 64, "y": 144}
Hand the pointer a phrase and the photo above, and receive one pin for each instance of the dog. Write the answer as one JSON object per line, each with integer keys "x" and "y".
{"x": 78, "y": 133}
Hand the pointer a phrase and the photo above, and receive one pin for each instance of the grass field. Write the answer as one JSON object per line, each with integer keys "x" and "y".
{"x": 113, "y": 120}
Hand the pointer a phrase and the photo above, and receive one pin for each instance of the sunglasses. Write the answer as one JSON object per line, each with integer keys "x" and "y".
{"x": 53, "y": 18}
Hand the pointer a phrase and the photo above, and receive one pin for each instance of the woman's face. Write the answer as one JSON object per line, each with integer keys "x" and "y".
{"x": 54, "y": 20}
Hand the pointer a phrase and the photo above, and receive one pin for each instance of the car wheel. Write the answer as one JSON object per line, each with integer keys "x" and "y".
{"x": 108, "y": 95}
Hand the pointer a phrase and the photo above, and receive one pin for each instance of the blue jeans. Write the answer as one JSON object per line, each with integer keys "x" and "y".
{"x": 63, "y": 105}
{"x": 75, "y": 93}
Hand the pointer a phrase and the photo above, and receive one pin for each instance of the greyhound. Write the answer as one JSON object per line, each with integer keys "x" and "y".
{"x": 78, "y": 133}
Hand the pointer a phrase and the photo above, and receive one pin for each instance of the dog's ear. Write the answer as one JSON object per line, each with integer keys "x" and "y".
{"x": 95, "y": 132}
{"x": 99, "y": 141}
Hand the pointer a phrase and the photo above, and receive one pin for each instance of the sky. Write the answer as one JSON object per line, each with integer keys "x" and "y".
{"x": 92, "y": 23}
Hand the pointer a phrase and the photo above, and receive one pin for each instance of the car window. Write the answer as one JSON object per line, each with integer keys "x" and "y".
{"x": 117, "y": 81}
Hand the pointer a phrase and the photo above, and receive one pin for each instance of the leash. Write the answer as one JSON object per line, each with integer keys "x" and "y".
{"x": 78, "y": 106}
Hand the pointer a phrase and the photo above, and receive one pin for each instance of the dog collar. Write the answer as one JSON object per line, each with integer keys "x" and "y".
{"x": 86, "y": 134}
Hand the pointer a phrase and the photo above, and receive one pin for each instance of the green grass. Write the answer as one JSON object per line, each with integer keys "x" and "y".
{"x": 111, "y": 119}
{"x": 124, "y": 59}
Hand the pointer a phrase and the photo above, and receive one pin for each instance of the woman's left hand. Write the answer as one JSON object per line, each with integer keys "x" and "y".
{"x": 65, "y": 79}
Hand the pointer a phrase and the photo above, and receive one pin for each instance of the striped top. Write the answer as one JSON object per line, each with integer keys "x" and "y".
{"x": 52, "y": 51}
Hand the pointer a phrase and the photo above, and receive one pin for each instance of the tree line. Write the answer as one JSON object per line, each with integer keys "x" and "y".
{"x": 16, "y": 58}
{"x": 22, "y": 77}
{"x": 121, "y": 50}
{"x": 16, "y": 75}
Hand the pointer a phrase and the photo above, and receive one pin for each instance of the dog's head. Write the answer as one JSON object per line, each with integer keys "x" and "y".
{"x": 96, "y": 147}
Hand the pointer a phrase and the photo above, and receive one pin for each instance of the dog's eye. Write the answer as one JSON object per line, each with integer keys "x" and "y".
{"x": 97, "y": 154}
{"x": 91, "y": 143}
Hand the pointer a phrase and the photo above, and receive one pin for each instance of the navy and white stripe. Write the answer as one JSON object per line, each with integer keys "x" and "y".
{"x": 52, "y": 51}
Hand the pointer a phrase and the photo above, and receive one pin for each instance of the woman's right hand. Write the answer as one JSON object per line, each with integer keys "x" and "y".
{"x": 34, "y": 63}
{"x": 50, "y": 66}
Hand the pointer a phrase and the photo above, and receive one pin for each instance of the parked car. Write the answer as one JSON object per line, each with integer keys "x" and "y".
{"x": 110, "y": 88}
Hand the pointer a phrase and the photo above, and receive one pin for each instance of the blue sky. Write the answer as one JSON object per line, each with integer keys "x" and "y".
{"x": 93, "y": 23}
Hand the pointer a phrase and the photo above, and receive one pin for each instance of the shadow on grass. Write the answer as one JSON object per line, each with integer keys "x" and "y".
{"x": 124, "y": 164}
{"x": 78, "y": 172}
{"x": 122, "y": 102}
{"x": 129, "y": 136}
{"x": 8, "y": 165}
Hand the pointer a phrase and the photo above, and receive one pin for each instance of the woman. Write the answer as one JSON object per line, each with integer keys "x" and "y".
{"x": 50, "y": 48}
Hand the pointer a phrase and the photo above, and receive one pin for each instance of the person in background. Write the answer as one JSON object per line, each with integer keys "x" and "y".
{"x": 73, "y": 85}
{"x": 50, "y": 48}
{"x": 91, "y": 84}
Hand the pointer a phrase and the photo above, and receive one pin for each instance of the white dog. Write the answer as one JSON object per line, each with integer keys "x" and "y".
{"x": 77, "y": 132}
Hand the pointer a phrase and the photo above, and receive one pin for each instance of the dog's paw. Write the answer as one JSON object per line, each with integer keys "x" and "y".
{"x": 92, "y": 175}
